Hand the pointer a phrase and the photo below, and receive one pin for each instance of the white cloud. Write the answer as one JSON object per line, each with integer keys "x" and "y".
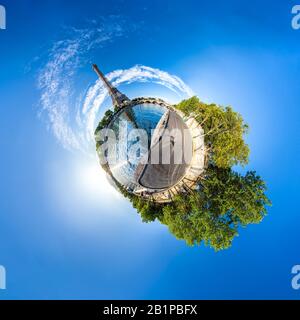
{"x": 72, "y": 117}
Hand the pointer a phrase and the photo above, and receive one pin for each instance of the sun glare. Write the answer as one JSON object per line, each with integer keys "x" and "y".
{"x": 92, "y": 181}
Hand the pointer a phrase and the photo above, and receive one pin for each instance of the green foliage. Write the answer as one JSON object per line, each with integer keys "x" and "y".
{"x": 189, "y": 106}
{"x": 148, "y": 210}
{"x": 195, "y": 227}
{"x": 102, "y": 124}
{"x": 225, "y": 201}
{"x": 223, "y": 131}
{"x": 105, "y": 120}
{"x": 242, "y": 198}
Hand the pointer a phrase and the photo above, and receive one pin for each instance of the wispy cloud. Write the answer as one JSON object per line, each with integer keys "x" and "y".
{"x": 59, "y": 99}
{"x": 56, "y": 79}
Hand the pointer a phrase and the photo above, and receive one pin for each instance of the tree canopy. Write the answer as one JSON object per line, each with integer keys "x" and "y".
{"x": 223, "y": 131}
{"x": 213, "y": 214}
{"x": 105, "y": 120}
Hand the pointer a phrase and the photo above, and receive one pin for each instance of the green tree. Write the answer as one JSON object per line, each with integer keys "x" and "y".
{"x": 223, "y": 131}
{"x": 149, "y": 210}
{"x": 241, "y": 198}
{"x": 105, "y": 120}
{"x": 224, "y": 201}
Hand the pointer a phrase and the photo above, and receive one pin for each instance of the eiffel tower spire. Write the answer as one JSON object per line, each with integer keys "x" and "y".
{"x": 117, "y": 97}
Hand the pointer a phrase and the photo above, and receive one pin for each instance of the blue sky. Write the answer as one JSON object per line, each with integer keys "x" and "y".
{"x": 64, "y": 233}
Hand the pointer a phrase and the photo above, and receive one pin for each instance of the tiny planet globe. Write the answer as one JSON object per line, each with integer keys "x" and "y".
{"x": 154, "y": 153}
{"x": 149, "y": 148}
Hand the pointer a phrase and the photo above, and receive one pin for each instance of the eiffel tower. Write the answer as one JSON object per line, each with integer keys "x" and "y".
{"x": 117, "y": 97}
